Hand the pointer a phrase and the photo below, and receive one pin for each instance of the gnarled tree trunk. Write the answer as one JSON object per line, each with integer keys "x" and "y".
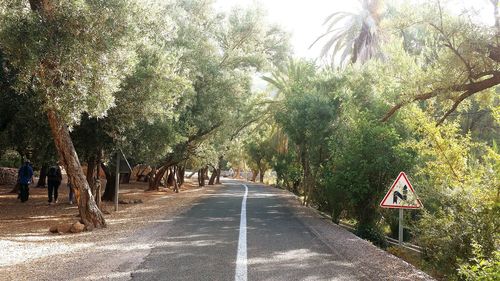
{"x": 213, "y": 176}
{"x": 254, "y": 174}
{"x": 154, "y": 183}
{"x": 174, "y": 180}
{"x": 90, "y": 214}
{"x": 109, "y": 190}
{"x": 171, "y": 176}
{"x": 218, "y": 176}
{"x": 262, "y": 172}
{"x": 42, "y": 180}
{"x": 91, "y": 165}
{"x": 201, "y": 177}
{"x": 180, "y": 174}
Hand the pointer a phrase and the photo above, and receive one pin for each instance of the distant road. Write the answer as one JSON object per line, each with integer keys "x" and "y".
{"x": 262, "y": 236}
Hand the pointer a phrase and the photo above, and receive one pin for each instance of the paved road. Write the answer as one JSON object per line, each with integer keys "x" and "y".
{"x": 202, "y": 244}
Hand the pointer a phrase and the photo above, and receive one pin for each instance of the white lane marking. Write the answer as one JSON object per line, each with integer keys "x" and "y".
{"x": 241, "y": 258}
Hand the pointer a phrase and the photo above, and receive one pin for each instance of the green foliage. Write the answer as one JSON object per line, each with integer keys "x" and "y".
{"x": 23, "y": 127}
{"x": 453, "y": 58}
{"x": 288, "y": 170}
{"x": 481, "y": 268}
{"x": 72, "y": 59}
{"x": 457, "y": 179}
{"x": 10, "y": 159}
{"x": 354, "y": 35}
{"x": 366, "y": 157}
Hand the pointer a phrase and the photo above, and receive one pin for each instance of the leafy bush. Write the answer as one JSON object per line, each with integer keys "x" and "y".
{"x": 458, "y": 181}
{"x": 481, "y": 268}
{"x": 448, "y": 235}
{"x": 10, "y": 159}
{"x": 288, "y": 171}
{"x": 372, "y": 233}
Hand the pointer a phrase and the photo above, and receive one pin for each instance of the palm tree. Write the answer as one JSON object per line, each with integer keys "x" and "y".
{"x": 359, "y": 36}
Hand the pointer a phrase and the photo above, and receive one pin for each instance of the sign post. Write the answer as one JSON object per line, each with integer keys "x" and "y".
{"x": 117, "y": 180}
{"x": 400, "y": 236}
{"x": 401, "y": 196}
{"x": 122, "y": 167}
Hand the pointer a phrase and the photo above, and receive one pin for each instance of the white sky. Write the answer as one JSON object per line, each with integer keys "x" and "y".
{"x": 304, "y": 18}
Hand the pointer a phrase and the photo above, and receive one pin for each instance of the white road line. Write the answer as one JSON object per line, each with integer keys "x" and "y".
{"x": 241, "y": 258}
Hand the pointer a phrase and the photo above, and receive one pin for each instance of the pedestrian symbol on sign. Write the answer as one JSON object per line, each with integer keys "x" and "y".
{"x": 401, "y": 195}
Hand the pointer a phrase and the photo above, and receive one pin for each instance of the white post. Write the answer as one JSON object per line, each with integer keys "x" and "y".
{"x": 400, "y": 227}
{"x": 117, "y": 183}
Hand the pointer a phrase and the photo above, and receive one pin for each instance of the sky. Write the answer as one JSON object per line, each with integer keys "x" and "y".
{"x": 304, "y": 18}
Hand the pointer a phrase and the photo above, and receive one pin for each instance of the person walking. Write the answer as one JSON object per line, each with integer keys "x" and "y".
{"x": 24, "y": 178}
{"x": 54, "y": 178}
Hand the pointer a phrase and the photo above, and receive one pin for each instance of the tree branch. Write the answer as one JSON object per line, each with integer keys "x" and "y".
{"x": 473, "y": 88}
{"x": 420, "y": 97}
{"x": 468, "y": 90}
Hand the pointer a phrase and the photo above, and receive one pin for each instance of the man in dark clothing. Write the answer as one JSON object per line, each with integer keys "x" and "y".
{"x": 54, "y": 178}
{"x": 25, "y": 177}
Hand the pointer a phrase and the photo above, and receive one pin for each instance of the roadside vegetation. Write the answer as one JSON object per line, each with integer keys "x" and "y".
{"x": 407, "y": 86}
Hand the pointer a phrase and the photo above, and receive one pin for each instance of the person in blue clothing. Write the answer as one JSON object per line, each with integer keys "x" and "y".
{"x": 25, "y": 177}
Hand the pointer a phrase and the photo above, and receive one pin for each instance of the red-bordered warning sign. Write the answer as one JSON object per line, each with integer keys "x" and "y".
{"x": 401, "y": 195}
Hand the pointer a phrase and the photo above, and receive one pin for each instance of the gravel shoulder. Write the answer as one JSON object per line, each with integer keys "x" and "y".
{"x": 373, "y": 262}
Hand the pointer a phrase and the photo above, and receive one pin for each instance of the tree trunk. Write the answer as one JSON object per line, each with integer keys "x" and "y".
{"x": 109, "y": 190}
{"x": 140, "y": 173}
{"x": 201, "y": 177}
{"x": 220, "y": 163}
{"x": 171, "y": 176}
{"x": 262, "y": 173}
{"x": 91, "y": 163}
{"x": 213, "y": 176}
{"x": 254, "y": 174}
{"x": 90, "y": 214}
{"x": 98, "y": 189}
{"x": 150, "y": 178}
{"x": 307, "y": 176}
{"x": 180, "y": 174}
{"x": 154, "y": 184}
{"x": 174, "y": 174}
{"x": 192, "y": 174}
{"x": 237, "y": 173}
{"x": 218, "y": 176}
{"x": 43, "y": 176}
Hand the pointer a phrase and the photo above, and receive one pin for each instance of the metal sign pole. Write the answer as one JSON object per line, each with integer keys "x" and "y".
{"x": 400, "y": 227}
{"x": 117, "y": 183}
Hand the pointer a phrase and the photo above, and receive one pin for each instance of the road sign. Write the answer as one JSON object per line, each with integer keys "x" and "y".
{"x": 401, "y": 195}
{"x": 124, "y": 166}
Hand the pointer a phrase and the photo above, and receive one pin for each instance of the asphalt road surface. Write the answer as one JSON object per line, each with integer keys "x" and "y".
{"x": 212, "y": 241}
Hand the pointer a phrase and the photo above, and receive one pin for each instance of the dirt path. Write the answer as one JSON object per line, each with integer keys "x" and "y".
{"x": 28, "y": 249}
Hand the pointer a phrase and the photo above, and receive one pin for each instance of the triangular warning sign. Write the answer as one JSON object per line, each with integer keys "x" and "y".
{"x": 401, "y": 195}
